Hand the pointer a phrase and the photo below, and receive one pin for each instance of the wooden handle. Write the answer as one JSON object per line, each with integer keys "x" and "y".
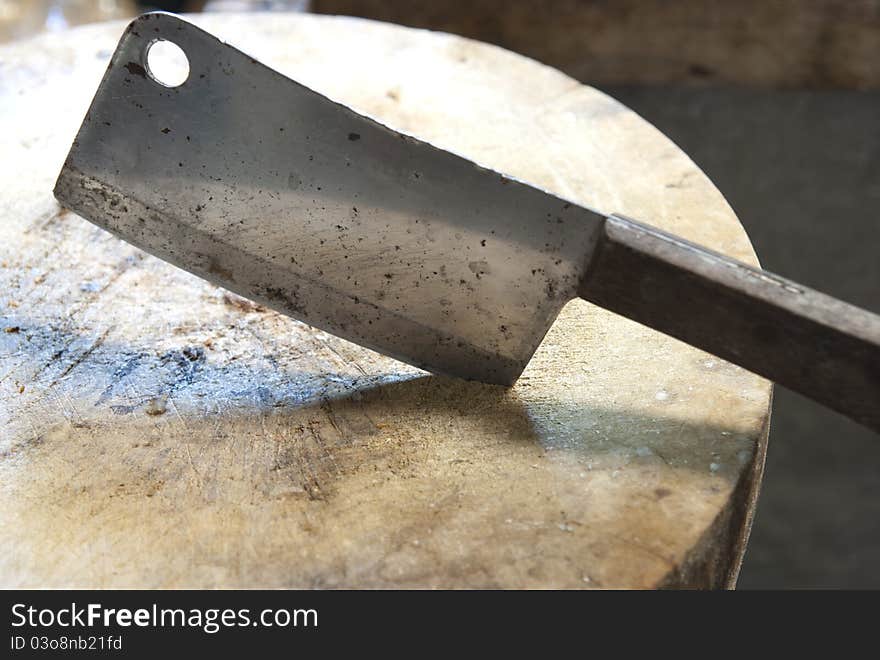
{"x": 811, "y": 343}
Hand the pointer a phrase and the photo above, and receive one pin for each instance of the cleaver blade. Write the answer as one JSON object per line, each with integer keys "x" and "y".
{"x": 269, "y": 189}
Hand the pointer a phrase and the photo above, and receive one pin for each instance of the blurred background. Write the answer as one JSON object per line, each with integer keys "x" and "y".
{"x": 778, "y": 101}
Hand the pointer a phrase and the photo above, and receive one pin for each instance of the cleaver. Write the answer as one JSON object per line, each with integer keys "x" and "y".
{"x": 271, "y": 190}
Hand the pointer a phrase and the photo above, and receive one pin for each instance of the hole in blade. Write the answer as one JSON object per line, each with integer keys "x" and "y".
{"x": 167, "y": 64}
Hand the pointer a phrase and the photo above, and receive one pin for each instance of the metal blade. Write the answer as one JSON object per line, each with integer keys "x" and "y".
{"x": 271, "y": 190}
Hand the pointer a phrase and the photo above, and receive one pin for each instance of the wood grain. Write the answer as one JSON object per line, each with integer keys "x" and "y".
{"x": 160, "y": 432}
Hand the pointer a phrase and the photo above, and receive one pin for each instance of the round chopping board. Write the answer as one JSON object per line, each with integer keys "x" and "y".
{"x": 158, "y": 431}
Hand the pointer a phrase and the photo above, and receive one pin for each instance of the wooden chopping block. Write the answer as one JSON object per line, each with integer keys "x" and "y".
{"x": 161, "y": 432}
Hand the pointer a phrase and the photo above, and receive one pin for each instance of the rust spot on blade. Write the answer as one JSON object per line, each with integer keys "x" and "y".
{"x": 216, "y": 269}
{"x": 136, "y": 69}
